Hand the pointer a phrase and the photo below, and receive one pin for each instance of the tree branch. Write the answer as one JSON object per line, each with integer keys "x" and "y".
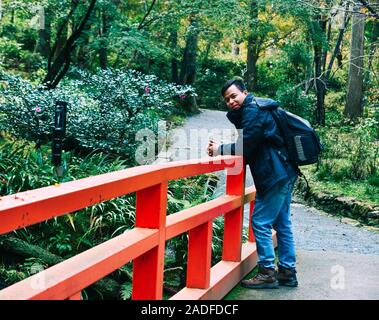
{"x": 59, "y": 33}
{"x": 141, "y": 26}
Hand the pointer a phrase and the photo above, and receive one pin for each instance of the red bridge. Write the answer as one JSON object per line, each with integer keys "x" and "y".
{"x": 145, "y": 243}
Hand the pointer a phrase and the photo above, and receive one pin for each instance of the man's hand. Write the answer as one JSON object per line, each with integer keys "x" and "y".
{"x": 212, "y": 149}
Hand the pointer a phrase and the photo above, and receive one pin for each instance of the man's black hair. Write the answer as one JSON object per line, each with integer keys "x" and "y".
{"x": 237, "y": 82}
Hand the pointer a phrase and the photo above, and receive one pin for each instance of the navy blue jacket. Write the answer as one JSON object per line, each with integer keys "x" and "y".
{"x": 263, "y": 147}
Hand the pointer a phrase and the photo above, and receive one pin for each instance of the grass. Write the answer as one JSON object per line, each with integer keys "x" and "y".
{"x": 360, "y": 190}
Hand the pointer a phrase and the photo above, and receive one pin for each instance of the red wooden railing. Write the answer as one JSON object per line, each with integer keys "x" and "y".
{"x": 144, "y": 244}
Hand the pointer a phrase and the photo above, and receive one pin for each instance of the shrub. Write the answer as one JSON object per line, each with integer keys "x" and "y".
{"x": 14, "y": 57}
{"x": 271, "y": 76}
{"x": 294, "y": 99}
{"x": 10, "y": 52}
{"x": 374, "y": 180}
{"x": 365, "y": 152}
{"x": 105, "y": 110}
{"x": 350, "y": 152}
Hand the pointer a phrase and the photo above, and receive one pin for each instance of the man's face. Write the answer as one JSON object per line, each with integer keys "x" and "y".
{"x": 234, "y": 97}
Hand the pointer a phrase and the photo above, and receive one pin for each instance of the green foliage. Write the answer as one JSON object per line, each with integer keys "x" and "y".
{"x": 297, "y": 101}
{"x": 9, "y": 277}
{"x": 14, "y": 57}
{"x": 210, "y": 81}
{"x": 364, "y": 155}
{"x": 126, "y": 291}
{"x": 351, "y": 152}
{"x": 23, "y": 167}
{"x": 374, "y": 180}
{"x": 60, "y": 243}
{"x": 298, "y": 60}
{"x": 105, "y": 110}
{"x": 20, "y": 271}
{"x": 280, "y": 77}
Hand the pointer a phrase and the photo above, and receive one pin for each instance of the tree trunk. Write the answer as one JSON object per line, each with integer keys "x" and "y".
{"x": 12, "y": 16}
{"x": 59, "y": 63}
{"x": 207, "y": 52}
{"x": 44, "y": 37}
{"x": 61, "y": 40}
{"x": 174, "y": 60}
{"x": 252, "y": 48}
{"x": 318, "y": 64}
{"x": 354, "y": 106}
{"x": 188, "y": 66}
{"x": 320, "y": 87}
{"x": 374, "y": 38}
{"x": 235, "y": 48}
{"x": 337, "y": 48}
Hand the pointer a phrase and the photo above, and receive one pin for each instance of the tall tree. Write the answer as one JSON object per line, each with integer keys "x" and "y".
{"x": 252, "y": 47}
{"x": 44, "y": 33}
{"x": 337, "y": 47}
{"x": 188, "y": 65}
{"x": 103, "y": 30}
{"x": 174, "y": 58}
{"x": 354, "y": 106}
{"x": 319, "y": 27}
{"x": 373, "y": 39}
{"x": 59, "y": 60}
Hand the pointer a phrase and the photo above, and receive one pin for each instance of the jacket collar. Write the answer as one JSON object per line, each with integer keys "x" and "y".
{"x": 249, "y": 98}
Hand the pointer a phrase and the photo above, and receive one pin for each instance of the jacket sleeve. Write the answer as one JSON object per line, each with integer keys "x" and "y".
{"x": 251, "y": 136}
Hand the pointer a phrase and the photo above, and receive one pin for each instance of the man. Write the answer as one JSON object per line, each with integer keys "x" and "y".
{"x": 274, "y": 178}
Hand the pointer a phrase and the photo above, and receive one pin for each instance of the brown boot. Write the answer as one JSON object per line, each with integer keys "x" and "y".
{"x": 287, "y": 277}
{"x": 265, "y": 279}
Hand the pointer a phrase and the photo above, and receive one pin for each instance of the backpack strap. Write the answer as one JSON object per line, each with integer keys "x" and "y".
{"x": 283, "y": 129}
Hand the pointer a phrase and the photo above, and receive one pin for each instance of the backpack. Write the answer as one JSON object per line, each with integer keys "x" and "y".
{"x": 301, "y": 140}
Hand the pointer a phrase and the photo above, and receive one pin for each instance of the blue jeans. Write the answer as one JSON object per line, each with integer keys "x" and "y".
{"x": 272, "y": 210}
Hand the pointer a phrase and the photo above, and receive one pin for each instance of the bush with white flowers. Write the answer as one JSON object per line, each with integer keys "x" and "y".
{"x": 105, "y": 109}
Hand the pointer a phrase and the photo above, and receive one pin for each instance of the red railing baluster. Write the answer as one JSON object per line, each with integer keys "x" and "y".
{"x": 232, "y": 242}
{"x": 199, "y": 256}
{"x": 148, "y": 268}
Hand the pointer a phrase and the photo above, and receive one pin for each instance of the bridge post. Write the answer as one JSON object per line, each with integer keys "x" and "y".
{"x": 232, "y": 242}
{"x": 148, "y": 269}
{"x": 199, "y": 256}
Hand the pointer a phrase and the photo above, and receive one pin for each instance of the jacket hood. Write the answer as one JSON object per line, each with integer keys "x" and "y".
{"x": 266, "y": 103}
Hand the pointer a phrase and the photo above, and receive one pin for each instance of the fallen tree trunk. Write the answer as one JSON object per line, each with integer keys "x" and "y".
{"x": 107, "y": 287}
